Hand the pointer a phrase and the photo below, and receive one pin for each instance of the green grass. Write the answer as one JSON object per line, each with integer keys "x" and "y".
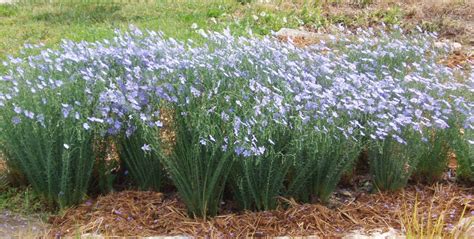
{"x": 48, "y": 23}
{"x": 23, "y": 201}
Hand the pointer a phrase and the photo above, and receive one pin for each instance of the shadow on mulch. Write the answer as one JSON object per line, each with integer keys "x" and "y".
{"x": 135, "y": 213}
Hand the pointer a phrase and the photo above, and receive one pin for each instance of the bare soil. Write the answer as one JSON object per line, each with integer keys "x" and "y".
{"x": 452, "y": 19}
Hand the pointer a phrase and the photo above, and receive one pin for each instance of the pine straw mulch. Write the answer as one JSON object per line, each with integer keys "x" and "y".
{"x": 459, "y": 60}
{"x": 135, "y": 213}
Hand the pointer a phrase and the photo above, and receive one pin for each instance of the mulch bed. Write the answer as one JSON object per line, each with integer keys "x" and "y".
{"x": 135, "y": 213}
{"x": 459, "y": 60}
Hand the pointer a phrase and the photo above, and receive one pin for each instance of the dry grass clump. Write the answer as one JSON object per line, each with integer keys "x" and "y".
{"x": 432, "y": 222}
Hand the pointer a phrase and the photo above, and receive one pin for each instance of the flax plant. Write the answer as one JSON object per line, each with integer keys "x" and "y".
{"x": 258, "y": 180}
{"x": 199, "y": 169}
{"x": 286, "y": 117}
{"x": 143, "y": 164}
{"x": 56, "y": 156}
{"x": 433, "y": 157}
{"x": 320, "y": 160}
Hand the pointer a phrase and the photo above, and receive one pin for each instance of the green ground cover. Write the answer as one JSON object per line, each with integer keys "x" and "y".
{"x": 48, "y": 23}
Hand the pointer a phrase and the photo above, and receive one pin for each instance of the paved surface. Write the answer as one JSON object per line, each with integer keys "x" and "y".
{"x": 15, "y": 226}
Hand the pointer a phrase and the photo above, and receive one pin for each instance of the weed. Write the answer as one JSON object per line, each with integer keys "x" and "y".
{"x": 431, "y": 224}
{"x": 23, "y": 201}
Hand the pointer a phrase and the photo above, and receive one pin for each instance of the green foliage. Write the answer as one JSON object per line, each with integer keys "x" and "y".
{"x": 60, "y": 175}
{"x": 53, "y": 153}
{"x": 464, "y": 152}
{"x": 433, "y": 158}
{"x": 258, "y": 180}
{"x": 465, "y": 158}
{"x": 320, "y": 161}
{"x": 144, "y": 167}
{"x": 391, "y": 16}
{"x": 83, "y": 12}
{"x": 8, "y": 10}
{"x": 216, "y": 12}
{"x": 22, "y": 200}
{"x": 391, "y": 164}
{"x": 103, "y": 177}
{"x": 313, "y": 17}
{"x": 198, "y": 170}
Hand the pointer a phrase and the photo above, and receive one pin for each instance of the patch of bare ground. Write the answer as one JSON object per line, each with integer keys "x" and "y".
{"x": 133, "y": 213}
{"x": 452, "y": 19}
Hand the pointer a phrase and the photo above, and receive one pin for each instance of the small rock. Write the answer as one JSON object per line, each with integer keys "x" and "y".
{"x": 302, "y": 34}
{"x": 92, "y": 236}
{"x": 168, "y": 237}
{"x": 378, "y": 234}
{"x": 454, "y": 46}
{"x": 346, "y": 193}
{"x": 292, "y": 237}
